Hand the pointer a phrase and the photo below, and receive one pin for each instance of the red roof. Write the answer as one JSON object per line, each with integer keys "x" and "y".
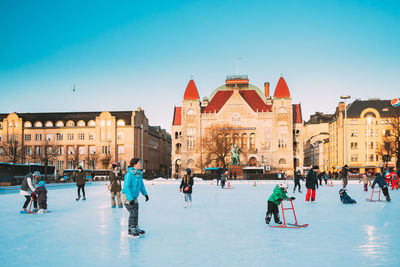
{"x": 255, "y": 101}
{"x": 177, "y": 116}
{"x": 297, "y": 118}
{"x": 281, "y": 90}
{"x": 218, "y": 101}
{"x": 191, "y": 92}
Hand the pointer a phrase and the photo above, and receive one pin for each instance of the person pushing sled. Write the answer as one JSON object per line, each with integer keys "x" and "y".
{"x": 279, "y": 194}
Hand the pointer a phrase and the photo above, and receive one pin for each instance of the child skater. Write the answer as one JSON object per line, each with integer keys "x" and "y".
{"x": 41, "y": 192}
{"x": 297, "y": 178}
{"x": 382, "y": 184}
{"x": 186, "y": 185}
{"x": 275, "y": 200}
{"x": 345, "y": 198}
{"x": 224, "y": 177}
{"x": 366, "y": 182}
{"x": 393, "y": 178}
{"x": 311, "y": 183}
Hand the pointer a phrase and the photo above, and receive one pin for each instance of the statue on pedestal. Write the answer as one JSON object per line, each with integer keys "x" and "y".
{"x": 235, "y": 159}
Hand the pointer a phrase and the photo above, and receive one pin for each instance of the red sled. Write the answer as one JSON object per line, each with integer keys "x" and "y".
{"x": 289, "y": 225}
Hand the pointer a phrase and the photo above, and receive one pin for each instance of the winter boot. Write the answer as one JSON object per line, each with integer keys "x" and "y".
{"x": 132, "y": 231}
{"x": 120, "y": 206}
{"x": 84, "y": 198}
{"x": 268, "y": 218}
{"x": 278, "y": 220}
{"x": 388, "y": 199}
{"x": 300, "y": 191}
{"x": 113, "y": 207}
{"x": 23, "y": 211}
{"x": 140, "y": 231}
{"x": 77, "y": 199}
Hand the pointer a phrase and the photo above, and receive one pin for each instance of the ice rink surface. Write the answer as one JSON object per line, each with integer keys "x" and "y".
{"x": 222, "y": 228}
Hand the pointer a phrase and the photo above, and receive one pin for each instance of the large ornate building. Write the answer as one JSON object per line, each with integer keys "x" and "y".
{"x": 93, "y": 140}
{"x": 268, "y": 129}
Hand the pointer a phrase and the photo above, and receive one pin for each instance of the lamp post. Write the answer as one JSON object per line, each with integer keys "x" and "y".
{"x": 345, "y": 97}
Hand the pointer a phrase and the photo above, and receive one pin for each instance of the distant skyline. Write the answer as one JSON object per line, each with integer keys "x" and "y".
{"x": 125, "y": 54}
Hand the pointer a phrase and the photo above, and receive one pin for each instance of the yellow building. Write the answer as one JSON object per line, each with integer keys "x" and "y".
{"x": 368, "y": 121}
{"x": 93, "y": 140}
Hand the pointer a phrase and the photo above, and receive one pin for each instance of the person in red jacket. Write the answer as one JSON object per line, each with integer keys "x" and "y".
{"x": 311, "y": 183}
{"x": 393, "y": 178}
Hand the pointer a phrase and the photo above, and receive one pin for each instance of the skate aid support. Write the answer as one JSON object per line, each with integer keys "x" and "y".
{"x": 375, "y": 191}
{"x": 289, "y": 225}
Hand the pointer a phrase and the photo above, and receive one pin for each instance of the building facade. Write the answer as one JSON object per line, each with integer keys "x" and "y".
{"x": 264, "y": 127}
{"x": 368, "y": 123}
{"x": 93, "y": 140}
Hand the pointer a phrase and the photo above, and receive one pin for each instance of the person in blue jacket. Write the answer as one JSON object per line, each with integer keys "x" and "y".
{"x": 382, "y": 184}
{"x": 133, "y": 185}
{"x": 345, "y": 198}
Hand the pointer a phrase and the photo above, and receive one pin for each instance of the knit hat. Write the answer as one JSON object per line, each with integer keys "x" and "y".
{"x": 114, "y": 165}
{"x": 36, "y": 173}
{"x": 188, "y": 171}
{"x": 42, "y": 183}
{"x": 80, "y": 167}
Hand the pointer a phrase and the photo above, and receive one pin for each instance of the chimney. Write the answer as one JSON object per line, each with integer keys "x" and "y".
{"x": 266, "y": 88}
{"x": 341, "y": 106}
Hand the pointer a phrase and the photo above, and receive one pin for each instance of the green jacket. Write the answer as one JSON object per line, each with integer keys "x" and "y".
{"x": 276, "y": 194}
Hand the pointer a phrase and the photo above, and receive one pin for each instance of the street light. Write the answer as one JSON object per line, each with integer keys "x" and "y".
{"x": 345, "y": 97}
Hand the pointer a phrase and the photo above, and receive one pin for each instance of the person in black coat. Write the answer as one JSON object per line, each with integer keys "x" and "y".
{"x": 186, "y": 186}
{"x": 80, "y": 178}
{"x": 115, "y": 185}
{"x": 297, "y": 178}
{"x": 382, "y": 184}
{"x": 311, "y": 183}
{"x": 345, "y": 173}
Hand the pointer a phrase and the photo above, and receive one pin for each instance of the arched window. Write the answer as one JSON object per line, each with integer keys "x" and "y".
{"x": 178, "y": 148}
{"x": 91, "y": 123}
{"x": 38, "y": 124}
{"x": 227, "y": 139}
{"x": 244, "y": 141}
{"x": 27, "y": 124}
{"x": 236, "y": 139}
{"x": 190, "y": 163}
{"x": 70, "y": 124}
{"x": 59, "y": 124}
{"x": 121, "y": 123}
{"x": 48, "y": 124}
{"x": 252, "y": 140}
{"x": 282, "y": 110}
{"x": 190, "y": 112}
{"x": 282, "y": 161}
{"x": 81, "y": 123}
{"x": 252, "y": 162}
{"x": 103, "y": 123}
{"x": 236, "y": 119}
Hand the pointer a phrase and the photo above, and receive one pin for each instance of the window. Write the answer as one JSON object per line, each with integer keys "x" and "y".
{"x": 49, "y": 150}
{"x": 91, "y": 136}
{"x": 103, "y": 123}
{"x": 48, "y": 124}
{"x": 178, "y": 148}
{"x": 252, "y": 141}
{"x": 244, "y": 141}
{"x": 354, "y": 133}
{"x": 103, "y": 136}
{"x": 81, "y": 136}
{"x": 59, "y": 137}
{"x": 92, "y": 150}
{"x": 70, "y": 136}
{"x": 282, "y": 161}
{"x": 354, "y": 145}
{"x": 59, "y": 124}
{"x": 121, "y": 123}
{"x": 28, "y": 124}
{"x": 38, "y": 124}
{"x": 108, "y": 136}
{"x": 28, "y": 150}
{"x": 82, "y": 150}
{"x": 236, "y": 119}
{"x": 354, "y": 158}
{"x": 108, "y": 123}
{"x": 105, "y": 150}
{"x": 120, "y": 136}
{"x": 27, "y": 137}
{"x": 370, "y": 145}
{"x": 71, "y": 150}
{"x": 120, "y": 149}
{"x": 60, "y": 150}
{"x": 15, "y": 137}
{"x": 38, "y": 137}
{"x": 81, "y": 123}
{"x": 190, "y": 163}
{"x": 70, "y": 124}
{"x": 60, "y": 164}
{"x": 38, "y": 150}
{"x": 282, "y": 136}
{"x": 49, "y": 137}
{"x": 191, "y": 132}
{"x": 91, "y": 123}
{"x": 1, "y": 151}
{"x": 1, "y": 138}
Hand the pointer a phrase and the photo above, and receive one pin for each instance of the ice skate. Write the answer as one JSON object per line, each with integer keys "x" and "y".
{"x": 113, "y": 207}
{"x": 120, "y": 206}
{"x": 388, "y": 199}
{"x": 132, "y": 231}
{"x": 23, "y": 211}
{"x": 84, "y": 198}
{"x": 140, "y": 231}
{"x": 300, "y": 191}
{"x": 268, "y": 218}
{"x": 77, "y": 199}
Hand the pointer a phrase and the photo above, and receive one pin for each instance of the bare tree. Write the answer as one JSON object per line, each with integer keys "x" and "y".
{"x": 386, "y": 150}
{"x": 13, "y": 152}
{"x": 394, "y": 137}
{"x": 92, "y": 160}
{"x": 106, "y": 159}
{"x": 217, "y": 144}
{"x": 48, "y": 153}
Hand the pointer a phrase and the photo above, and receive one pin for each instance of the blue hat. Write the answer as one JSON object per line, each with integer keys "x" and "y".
{"x": 42, "y": 183}
{"x": 188, "y": 171}
{"x": 36, "y": 173}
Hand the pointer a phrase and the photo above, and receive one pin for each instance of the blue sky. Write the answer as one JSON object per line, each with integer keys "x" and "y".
{"x": 125, "y": 54}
